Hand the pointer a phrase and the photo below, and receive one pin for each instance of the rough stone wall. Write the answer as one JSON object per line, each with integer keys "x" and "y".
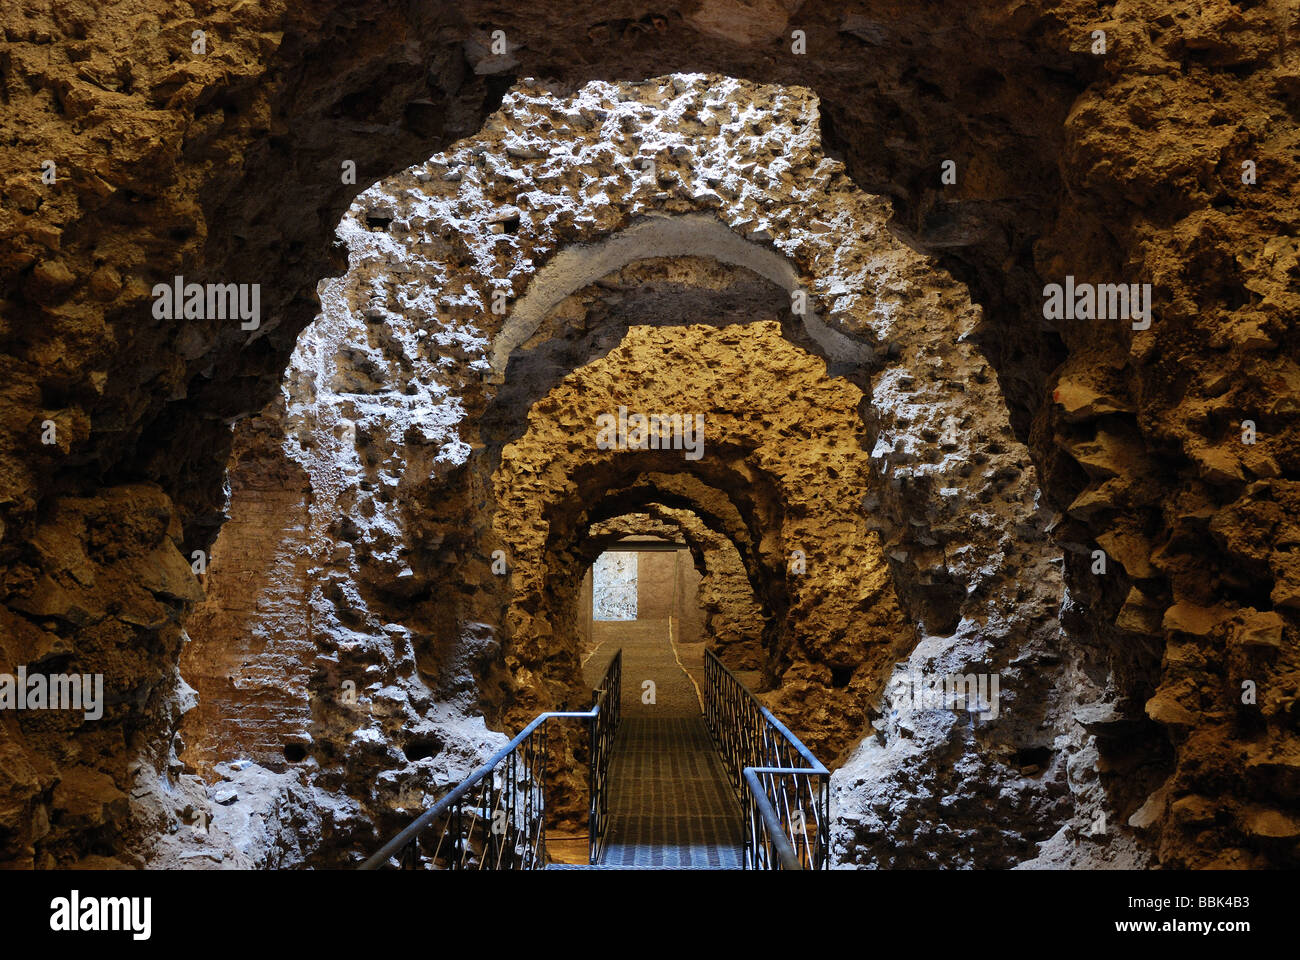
{"x": 1143, "y": 447}
{"x": 655, "y": 586}
{"x": 165, "y": 162}
{"x": 732, "y": 615}
{"x": 106, "y": 571}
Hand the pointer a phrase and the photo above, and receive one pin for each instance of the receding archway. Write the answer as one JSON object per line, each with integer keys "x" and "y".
{"x": 430, "y": 585}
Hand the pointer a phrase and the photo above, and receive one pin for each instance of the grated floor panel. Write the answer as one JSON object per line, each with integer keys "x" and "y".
{"x": 671, "y": 806}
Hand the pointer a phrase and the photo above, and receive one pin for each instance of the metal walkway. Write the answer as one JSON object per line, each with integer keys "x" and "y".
{"x": 670, "y": 804}
{"x": 670, "y": 788}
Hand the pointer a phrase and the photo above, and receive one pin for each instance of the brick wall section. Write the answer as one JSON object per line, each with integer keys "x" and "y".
{"x": 250, "y": 651}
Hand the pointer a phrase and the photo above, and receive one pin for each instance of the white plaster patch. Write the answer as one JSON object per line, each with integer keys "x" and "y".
{"x": 696, "y": 235}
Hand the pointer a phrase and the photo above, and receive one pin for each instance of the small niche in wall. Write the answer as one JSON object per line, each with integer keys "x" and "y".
{"x": 421, "y": 749}
{"x": 295, "y": 752}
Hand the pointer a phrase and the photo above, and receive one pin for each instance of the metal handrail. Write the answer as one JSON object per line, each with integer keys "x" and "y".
{"x": 607, "y": 712}
{"x": 777, "y": 794}
{"x": 603, "y": 718}
{"x": 773, "y": 829}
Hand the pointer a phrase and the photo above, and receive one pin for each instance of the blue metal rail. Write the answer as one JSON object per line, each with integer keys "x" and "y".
{"x": 495, "y": 819}
{"x": 784, "y": 791}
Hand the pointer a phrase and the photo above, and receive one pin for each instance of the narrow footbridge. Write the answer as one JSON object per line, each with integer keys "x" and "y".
{"x": 692, "y": 775}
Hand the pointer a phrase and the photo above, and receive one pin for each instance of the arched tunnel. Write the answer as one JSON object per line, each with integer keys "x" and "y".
{"x": 929, "y": 340}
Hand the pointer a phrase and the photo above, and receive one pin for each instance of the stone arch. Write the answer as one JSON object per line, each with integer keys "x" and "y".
{"x": 934, "y": 406}
{"x": 550, "y": 485}
{"x": 730, "y": 612}
{"x": 386, "y": 392}
{"x": 710, "y": 504}
{"x": 591, "y": 320}
{"x": 545, "y": 568}
{"x": 684, "y": 235}
{"x": 708, "y": 501}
